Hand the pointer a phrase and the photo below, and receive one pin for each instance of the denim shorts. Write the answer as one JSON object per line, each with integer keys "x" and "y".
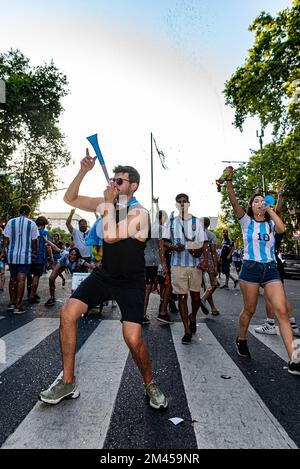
{"x": 259, "y": 272}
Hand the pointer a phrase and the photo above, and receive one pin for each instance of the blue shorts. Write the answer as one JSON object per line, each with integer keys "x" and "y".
{"x": 16, "y": 269}
{"x": 259, "y": 273}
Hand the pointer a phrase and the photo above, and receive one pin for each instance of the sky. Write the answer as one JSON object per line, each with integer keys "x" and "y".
{"x": 136, "y": 67}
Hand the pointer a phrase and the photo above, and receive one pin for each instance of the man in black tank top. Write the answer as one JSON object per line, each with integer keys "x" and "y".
{"x": 122, "y": 276}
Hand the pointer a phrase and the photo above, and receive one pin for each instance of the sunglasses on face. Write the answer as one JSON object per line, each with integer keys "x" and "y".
{"x": 182, "y": 201}
{"x": 119, "y": 181}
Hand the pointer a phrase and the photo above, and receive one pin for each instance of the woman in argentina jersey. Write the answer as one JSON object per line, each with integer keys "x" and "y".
{"x": 259, "y": 268}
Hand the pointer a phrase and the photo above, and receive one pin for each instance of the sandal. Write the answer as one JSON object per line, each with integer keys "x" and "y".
{"x": 50, "y": 302}
{"x": 215, "y": 313}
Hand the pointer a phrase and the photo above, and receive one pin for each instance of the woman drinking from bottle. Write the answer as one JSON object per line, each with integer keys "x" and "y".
{"x": 259, "y": 224}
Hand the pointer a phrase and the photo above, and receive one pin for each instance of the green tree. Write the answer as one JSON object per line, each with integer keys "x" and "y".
{"x": 64, "y": 236}
{"x": 267, "y": 86}
{"x": 32, "y": 146}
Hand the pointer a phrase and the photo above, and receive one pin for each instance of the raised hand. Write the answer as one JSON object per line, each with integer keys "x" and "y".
{"x": 88, "y": 162}
{"x": 110, "y": 194}
{"x": 280, "y": 189}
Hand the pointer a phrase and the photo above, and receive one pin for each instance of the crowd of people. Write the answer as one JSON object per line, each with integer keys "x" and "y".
{"x": 128, "y": 258}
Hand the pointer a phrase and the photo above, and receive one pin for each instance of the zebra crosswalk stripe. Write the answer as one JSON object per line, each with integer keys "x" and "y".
{"x": 227, "y": 413}
{"x": 80, "y": 423}
{"x": 25, "y": 338}
{"x": 273, "y": 342}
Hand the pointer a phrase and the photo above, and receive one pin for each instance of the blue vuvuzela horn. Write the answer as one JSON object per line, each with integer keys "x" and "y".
{"x": 93, "y": 139}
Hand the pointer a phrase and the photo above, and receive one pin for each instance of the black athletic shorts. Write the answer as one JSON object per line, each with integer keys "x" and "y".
{"x": 225, "y": 266}
{"x": 99, "y": 287}
{"x": 37, "y": 269}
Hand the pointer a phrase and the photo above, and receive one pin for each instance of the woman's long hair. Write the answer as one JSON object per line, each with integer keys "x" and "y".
{"x": 249, "y": 210}
{"x": 78, "y": 255}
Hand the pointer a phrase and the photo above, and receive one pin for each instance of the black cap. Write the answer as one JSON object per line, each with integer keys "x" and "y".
{"x": 179, "y": 196}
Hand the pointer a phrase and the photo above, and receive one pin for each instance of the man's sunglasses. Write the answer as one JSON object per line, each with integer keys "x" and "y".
{"x": 119, "y": 181}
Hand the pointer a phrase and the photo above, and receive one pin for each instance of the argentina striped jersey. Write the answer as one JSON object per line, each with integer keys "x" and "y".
{"x": 259, "y": 239}
{"x": 191, "y": 234}
{"x": 20, "y": 231}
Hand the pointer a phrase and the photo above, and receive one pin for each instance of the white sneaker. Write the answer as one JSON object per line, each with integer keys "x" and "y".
{"x": 296, "y": 331}
{"x": 266, "y": 329}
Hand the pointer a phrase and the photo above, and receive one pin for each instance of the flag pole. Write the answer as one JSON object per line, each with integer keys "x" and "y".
{"x": 152, "y": 209}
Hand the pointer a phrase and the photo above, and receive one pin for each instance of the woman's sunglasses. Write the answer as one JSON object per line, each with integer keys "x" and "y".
{"x": 119, "y": 181}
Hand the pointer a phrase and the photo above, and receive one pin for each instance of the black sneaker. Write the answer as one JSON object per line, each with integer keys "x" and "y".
{"x": 173, "y": 308}
{"x": 236, "y": 282}
{"x": 224, "y": 286}
{"x": 19, "y": 310}
{"x": 204, "y": 308}
{"x": 50, "y": 302}
{"x": 186, "y": 339}
{"x": 193, "y": 326}
{"x": 294, "y": 368}
{"x": 33, "y": 301}
{"x": 242, "y": 348}
{"x": 146, "y": 320}
{"x": 165, "y": 318}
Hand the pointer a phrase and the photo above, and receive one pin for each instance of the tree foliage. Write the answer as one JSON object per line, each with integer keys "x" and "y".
{"x": 265, "y": 85}
{"x": 268, "y": 86}
{"x": 32, "y": 146}
{"x": 63, "y": 235}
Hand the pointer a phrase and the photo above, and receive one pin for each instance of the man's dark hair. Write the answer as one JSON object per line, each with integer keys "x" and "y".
{"x": 82, "y": 220}
{"x": 179, "y": 196}
{"x": 24, "y": 209}
{"x": 41, "y": 221}
{"x": 133, "y": 174}
{"x": 206, "y": 222}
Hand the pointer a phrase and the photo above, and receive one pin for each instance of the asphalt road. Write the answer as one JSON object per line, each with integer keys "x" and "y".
{"x": 257, "y": 406}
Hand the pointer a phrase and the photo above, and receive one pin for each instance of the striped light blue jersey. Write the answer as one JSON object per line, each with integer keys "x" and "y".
{"x": 20, "y": 231}
{"x": 191, "y": 234}
{"x": 259, "y": 239}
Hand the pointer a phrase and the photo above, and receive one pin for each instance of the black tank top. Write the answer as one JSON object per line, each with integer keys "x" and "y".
{"x": 124, "y": 261}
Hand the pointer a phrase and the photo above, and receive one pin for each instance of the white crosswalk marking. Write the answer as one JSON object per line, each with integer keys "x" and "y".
{"x": 226, "y": 413}
{"x": 80, "y": 423}
{"x": 25, "y": 338}
{"x": 273, "y": 342}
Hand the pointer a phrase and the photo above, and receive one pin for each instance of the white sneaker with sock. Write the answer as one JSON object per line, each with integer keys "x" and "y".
{"x": 266, "y": 329}
{"x": 295, "y": 330}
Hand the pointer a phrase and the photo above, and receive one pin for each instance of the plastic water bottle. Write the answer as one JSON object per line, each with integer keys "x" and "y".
{"x": 222, "y": 179}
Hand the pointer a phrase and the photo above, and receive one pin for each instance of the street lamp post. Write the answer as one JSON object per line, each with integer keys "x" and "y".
{"x": 260, "y": 137}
